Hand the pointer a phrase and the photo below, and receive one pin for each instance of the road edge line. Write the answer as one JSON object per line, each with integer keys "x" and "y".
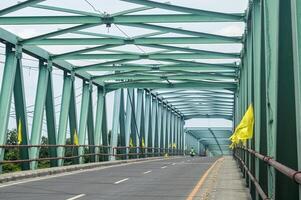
{"x": 202, "y": 180}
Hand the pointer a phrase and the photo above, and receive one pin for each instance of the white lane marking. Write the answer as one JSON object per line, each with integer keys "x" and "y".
{"x": 147, "y": 172}
{"x": 163, "y": 167}
{"x": 74, "y": 172}
{"x": 117, "y": 182}
{"x": 76, "y": 197}
{"x": 173, "y": 163}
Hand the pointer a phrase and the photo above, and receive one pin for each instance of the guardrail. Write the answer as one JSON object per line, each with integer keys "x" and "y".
{"x": 145, "y": 151}
{"x": 103, "y": 151}
{"x": 93, "y": 152}
{"x": 287, "y": 171}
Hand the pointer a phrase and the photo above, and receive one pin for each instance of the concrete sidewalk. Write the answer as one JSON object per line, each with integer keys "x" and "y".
{"x": 224, "y": 182}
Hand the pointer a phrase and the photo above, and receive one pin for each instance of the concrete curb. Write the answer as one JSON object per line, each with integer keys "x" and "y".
{"x": 15, "y": 176}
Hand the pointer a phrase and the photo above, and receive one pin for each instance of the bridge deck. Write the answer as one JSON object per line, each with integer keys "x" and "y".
{"x": 165, "y": 179}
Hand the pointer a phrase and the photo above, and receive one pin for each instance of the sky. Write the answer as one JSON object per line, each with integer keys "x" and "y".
{"x": 113, "y": 6}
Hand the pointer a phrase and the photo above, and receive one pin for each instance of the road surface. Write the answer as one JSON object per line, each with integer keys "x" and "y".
{"x": 167, "y": 179}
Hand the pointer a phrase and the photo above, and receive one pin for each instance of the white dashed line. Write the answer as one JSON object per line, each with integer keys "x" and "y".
{"x": 147, "y": 172}
{"x": 173, "y": 163}
{"x": 117, "y": 182}
{"x": 163, "y": 167}
{"x": 76, "y": 197}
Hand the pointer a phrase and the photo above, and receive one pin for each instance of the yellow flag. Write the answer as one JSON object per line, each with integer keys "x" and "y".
{"x": 131, "y": 142}
{"x": 75, "y": 138}
{"x": 142, "y": 143}
{"x": 244, "y": 130}
{"x": 19, "y": 132}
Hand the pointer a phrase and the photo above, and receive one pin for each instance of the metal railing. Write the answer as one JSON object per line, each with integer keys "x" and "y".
{"x": 287, "y": 171}
{"x": 102, "y": 151}
{"x": 93, "y": 153}
{"x": 145, "y": 151}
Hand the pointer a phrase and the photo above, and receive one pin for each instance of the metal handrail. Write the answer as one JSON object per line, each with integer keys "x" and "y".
{"x": 253, "y": 179}
{"x": 289, "y": 172}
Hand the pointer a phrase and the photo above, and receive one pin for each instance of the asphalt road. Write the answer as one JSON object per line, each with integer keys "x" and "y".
{"x": 168, "y": 179}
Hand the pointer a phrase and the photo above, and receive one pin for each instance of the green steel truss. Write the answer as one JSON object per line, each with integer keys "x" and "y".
{"x": 155, "y": 88}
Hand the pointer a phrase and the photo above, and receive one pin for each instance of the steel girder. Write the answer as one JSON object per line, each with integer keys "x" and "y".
{"x": 160, "y": 122}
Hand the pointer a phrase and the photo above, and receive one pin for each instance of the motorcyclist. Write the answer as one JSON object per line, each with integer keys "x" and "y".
{"x": 192, "y": 152}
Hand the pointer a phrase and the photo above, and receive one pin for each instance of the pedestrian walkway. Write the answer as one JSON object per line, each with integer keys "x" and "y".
{"x": 224, "y": 182}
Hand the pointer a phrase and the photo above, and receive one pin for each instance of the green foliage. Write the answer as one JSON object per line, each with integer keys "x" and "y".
{"x": 44, "y": 153}
{"x": 12, "y": 153}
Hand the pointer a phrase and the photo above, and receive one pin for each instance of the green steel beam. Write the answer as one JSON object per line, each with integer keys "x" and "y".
{"x": 104, "y": 129}
{"x": 160, "y": 134}
{"x": 42, "y": 54}
{"x": 163, "y": 77}
{"x": 39, "y": 105}
{"x": 50, "y": 116}
{"x": 20, "y": 110}
{"x": 72, "y": 113}
{"x": 189, "y": 97}
{"x": 64, "y": 110}
{"x": 271, "y": 29}
{"x": 90, "y": 124}
{"x": 225, "y": 39}
{"x": 129, "y": 114}
{"x": 83, "y": 118}
{"x": 129, "y": 11}
{"x": 139, "y": 41}
{"x": 86, "y": 50}
{"x": 191, "y": 116}
{"x": 139, "y": 116}
{"x": 100, "y": 112}
{"x": 167, "y": 136}
{"x": 122, "y": 135}
{"x": 155, "y": 120}
{"x": 54, "y": 33}
{"x": 203, "y": 102}
{"x": 183, "y": 49}
{"x": 185, "y": 67}
{"x": 186, "y": 85}
{"x": 116, "y": 121}
{"x": 216, "y": 140}
{"x": 170, "y": 18}
{"x": 19, "y": 6}
{"x": 7, "y": 86}
{"x": 296, "y": 26}
{"x": 147, "y": 120}
{"x": 66, "y": 10}
{"x": 238, "y": 17}
{"x": 202, "y": 96}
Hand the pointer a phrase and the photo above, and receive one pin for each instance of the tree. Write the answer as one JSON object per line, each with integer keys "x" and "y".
{"x": 11, "y": 153}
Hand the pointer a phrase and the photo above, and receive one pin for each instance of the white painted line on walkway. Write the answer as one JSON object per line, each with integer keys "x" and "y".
{"x": 163, "y": 167}
{"x": 76, "y": 197}
{"x": 117, "y": 182}
{"x": 147, "y": 172}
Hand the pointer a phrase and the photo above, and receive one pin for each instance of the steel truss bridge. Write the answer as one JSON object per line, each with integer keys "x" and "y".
{"x": 162, "y": 73}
